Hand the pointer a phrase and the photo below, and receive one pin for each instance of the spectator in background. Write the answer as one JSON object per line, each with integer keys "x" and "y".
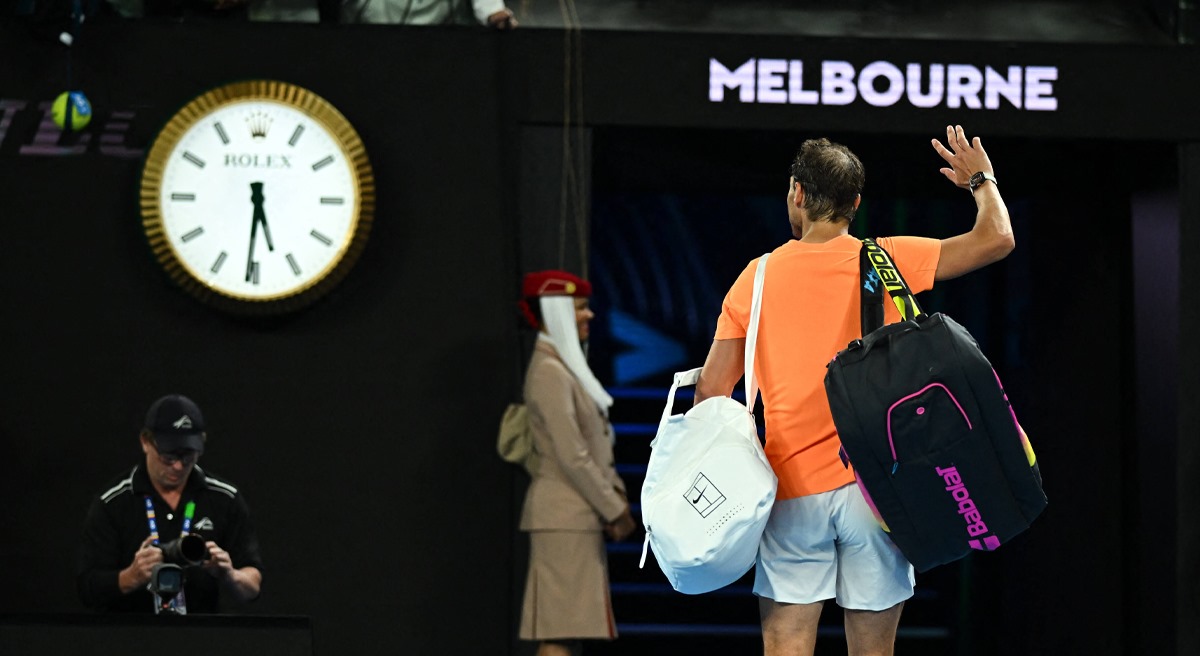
{"x": 575, "y": 495}
{"x": 187, "y": 9}
{"x": 295, "y": 11}
{"x": 492, "y": 13}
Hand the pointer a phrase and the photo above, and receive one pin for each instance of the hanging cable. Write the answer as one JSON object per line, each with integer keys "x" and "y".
{"x": 572, "y": 196}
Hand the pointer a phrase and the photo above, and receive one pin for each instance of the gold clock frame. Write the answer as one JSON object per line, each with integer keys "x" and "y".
{"x": 320, "y": 111}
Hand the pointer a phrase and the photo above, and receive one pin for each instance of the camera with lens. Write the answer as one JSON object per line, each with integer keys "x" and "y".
{"x": 168, "y": 577}
{"x": 187, "y": 550}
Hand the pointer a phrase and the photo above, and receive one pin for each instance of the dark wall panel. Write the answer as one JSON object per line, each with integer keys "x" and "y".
{"x": 1073, "y": 397}
{"x": 359, "y": 429}
{"x": 1187, "y": 548}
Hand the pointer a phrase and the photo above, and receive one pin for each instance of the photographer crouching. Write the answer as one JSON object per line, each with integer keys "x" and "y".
{"x": 168, "y": 537}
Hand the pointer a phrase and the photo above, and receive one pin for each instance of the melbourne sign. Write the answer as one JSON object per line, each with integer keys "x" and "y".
{"x": 884, "y": 84}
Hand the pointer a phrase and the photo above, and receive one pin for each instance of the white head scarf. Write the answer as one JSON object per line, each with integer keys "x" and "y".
{"x": 558, "y": 315}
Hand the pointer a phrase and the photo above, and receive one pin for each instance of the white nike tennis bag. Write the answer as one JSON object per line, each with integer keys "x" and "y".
{"x": 709, "y": 487}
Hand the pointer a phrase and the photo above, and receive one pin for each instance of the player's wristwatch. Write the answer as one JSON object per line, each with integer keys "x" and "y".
{"x": 979, "y": 179}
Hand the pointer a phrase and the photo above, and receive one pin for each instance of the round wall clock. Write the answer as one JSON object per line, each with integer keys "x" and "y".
{"x": 257, "y": 196}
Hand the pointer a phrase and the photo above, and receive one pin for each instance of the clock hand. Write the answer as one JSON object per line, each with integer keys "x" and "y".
{"x": 256, "y": 197}
{"x": 261, "y": 217}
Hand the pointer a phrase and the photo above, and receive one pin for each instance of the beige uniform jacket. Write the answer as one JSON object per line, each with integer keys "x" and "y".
{"x": 576, "y": 486}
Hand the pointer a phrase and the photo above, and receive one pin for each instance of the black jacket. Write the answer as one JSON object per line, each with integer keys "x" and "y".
{"x": 116, "y": 525}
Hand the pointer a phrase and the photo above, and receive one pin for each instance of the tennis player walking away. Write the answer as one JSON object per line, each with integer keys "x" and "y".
{"x": 822, "y": 540}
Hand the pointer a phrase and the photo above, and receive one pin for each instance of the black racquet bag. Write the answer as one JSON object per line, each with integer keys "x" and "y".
{"x": 925, "y": 422}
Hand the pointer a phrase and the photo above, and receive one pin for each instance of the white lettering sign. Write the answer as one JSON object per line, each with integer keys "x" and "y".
{"x": 885, "y": 84}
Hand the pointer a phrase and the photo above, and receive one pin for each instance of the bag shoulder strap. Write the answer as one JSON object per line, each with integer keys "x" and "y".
{"x": 690, "y": 377}
{"x": 760, "y": 275}
{"x": 870, "y": 294}
{"x": 879, "y": 272}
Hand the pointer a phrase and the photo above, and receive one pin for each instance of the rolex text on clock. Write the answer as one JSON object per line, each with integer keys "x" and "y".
{"x": 257, "y": 196}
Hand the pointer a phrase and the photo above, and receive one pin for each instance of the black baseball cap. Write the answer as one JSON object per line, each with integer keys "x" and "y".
{"x": 176, "y": 424}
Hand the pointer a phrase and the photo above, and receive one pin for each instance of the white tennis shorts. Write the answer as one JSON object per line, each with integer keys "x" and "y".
{"x": 829, "y": 546}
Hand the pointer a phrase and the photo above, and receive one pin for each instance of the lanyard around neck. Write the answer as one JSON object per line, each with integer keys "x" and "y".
{"x": 189, "y": 511}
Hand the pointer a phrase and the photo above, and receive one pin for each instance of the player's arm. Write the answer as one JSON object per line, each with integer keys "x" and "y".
{"x": 724, "y": 366}
{"x": 991, "y": 238}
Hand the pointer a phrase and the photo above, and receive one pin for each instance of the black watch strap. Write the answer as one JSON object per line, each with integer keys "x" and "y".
{"x": 980, "y": 177}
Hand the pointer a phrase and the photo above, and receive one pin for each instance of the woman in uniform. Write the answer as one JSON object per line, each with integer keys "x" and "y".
{"x": 575, "y": 496}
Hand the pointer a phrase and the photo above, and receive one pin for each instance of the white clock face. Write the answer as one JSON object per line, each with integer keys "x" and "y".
{"x": 258, "y": 200}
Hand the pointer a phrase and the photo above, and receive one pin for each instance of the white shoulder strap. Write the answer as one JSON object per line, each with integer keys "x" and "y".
{"x": 690, "y": 377}
{"x": 752, "y": 331}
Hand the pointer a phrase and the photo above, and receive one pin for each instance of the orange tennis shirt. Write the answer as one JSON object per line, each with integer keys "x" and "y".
{"x": 811, "y": 310}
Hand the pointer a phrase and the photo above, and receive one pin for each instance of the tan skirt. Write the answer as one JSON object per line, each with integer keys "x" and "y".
{"x": 566, "y": 591}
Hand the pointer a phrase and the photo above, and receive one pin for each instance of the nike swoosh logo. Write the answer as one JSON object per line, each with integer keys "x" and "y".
{"x": 699, "y": 496}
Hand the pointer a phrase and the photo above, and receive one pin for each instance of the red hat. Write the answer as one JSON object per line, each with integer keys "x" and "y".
{"x": 550, "y": 283}
{"x": 555, "y": 283}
